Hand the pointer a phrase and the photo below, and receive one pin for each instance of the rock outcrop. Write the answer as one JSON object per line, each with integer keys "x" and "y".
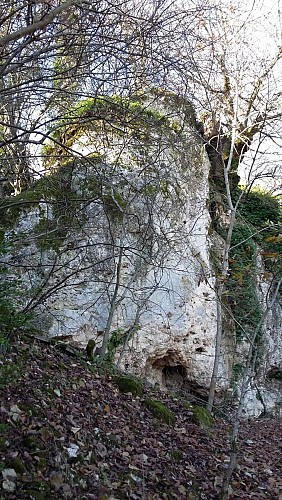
{"x": 117, "y": 238}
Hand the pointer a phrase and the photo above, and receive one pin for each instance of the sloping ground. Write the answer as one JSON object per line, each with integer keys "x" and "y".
{"x": 67, "y": 432}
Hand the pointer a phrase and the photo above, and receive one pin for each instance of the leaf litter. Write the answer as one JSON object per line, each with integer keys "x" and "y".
{"x": 67, "y": 432}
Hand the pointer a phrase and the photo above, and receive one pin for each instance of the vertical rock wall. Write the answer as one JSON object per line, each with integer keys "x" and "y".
{"x": 118, "y": 235}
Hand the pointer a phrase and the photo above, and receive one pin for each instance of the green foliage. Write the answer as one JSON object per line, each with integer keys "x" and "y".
{"x": 10, "y": 297}
{"x": 202, "y": 417}
{"x": 256, "y": 230}
{"x": 176, "y": 455}
{"x": 55, "y": 187}
{"x": 56, "y": 191}
{"x": 263, "y": 214}
{"x": 114, "y": 111}
{"x": 242, "y": 283}
{"x": 117, "y": 338}
{"x": 17, "y": 464}
{"x": 4, "y": 428}
{"x": 258, "y": 207}
{"x": 9, "y": 374}
{"x": 113, "y": 105}
{"x": 129, "y": 384}
{"x": 160, "y": 411}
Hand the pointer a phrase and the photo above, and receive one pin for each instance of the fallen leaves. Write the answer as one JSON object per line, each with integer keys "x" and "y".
{"x": 107, "y": 409}
{"x": 10, "y": 477}
{"x": 76, "y": 436}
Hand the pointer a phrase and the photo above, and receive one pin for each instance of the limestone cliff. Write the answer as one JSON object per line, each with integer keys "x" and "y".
{"x": 117, "y": 237}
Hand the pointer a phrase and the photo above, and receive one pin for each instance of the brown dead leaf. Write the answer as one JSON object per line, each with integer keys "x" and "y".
{"x": 182, "y": 489}
{"x": 56, "y": 480}
{"x": 46, "y": 435}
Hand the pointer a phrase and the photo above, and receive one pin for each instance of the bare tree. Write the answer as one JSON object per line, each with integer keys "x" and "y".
{"x": 55, "y": 54}
{"x": 241, "y": 113}
{"x": 247, "y": 376}
{"x": 239, "y": 100}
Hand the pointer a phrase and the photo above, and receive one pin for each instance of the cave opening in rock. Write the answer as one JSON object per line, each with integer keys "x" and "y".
{"x": 174, "y": 376}
{"x": 177, "y": 372}
{"x": 169, "y": 371}
{"x": 196, "y": 393}
{"x": 171, "y": 374}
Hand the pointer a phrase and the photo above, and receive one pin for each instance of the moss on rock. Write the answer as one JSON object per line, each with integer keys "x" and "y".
{"x": 202, "y": 417}
{"x": 114, "y": 114}
{"x": 90, "y": 348}
{"x": 160, "y": 411}
{"x": 129, "y": 384}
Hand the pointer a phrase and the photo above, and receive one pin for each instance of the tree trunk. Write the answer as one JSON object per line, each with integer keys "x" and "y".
{"x": 113, "y": 306}
{"x": 246, "y": 379}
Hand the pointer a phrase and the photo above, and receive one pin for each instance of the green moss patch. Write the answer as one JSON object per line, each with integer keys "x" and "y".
{"x": 176, "y": 455}
{"x": 17, "y": 464}
{"x": 202, "y": 417}
{"x": 51, "y": 189}
{"x": 129, "y": 384}
{"x": 113, "y": 113}
{"x": 160, "y": 411}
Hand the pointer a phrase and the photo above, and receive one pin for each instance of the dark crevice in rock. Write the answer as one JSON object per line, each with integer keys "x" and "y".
{"x": 174, "y": 376}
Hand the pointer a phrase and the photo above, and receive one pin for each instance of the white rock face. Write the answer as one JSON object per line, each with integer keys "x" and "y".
{"x": 125, "y": 244}
{"x": 143, "y": 236}
{"x": 267, "y": 393}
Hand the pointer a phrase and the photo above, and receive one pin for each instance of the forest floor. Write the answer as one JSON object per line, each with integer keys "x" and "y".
{"x": 66, "y": 431}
